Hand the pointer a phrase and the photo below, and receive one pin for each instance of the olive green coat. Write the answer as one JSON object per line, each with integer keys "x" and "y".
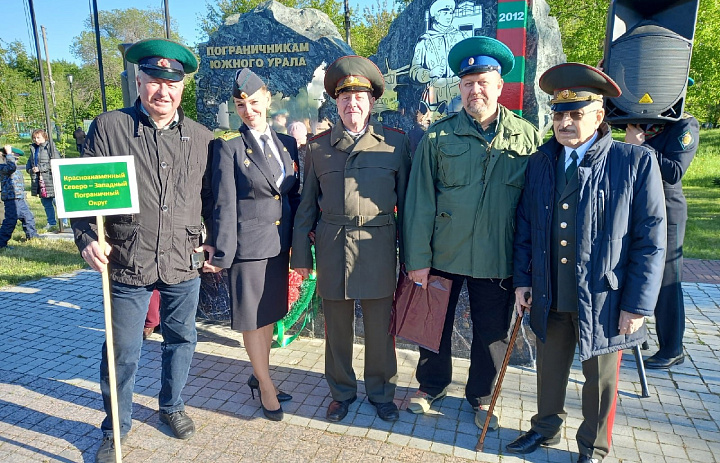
{"x": 350, "y": 191}
{"x": 463, "y": 193}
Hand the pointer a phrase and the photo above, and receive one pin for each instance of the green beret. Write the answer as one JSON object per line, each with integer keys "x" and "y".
{"x": 18, "y": 151}
{"x": 576, "y": 85}
{"x": 480, "y": 54}
{"x": 354, "y": 73}
{"x": 162, "y": 48}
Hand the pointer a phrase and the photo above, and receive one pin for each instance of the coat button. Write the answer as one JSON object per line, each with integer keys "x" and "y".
{"x": 277, "y": 222}
{"x": 565, "y": 206}
{"x": 163, "y": 165}
{"x": 563, "y": 242}
{"x": 164, "y": 208}
{"x": 563, "y": 224}
{"x": 277, "y": 197}
{"x": 564, "y": 260}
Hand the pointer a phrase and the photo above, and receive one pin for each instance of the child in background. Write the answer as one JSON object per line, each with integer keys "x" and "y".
{"x": 12, "y": 188}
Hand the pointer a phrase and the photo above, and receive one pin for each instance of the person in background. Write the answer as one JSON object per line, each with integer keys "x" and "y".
{"x": 467, "y": 176}
{"x": 161, "y": 246}
{"x": 674, "y": 145}
{"x": 355, "y": 178}
{"x": 279, "y": 119}
{"x": 41, "y": 179}
{"x": 298, "y": 131}
{"x": 12, "y": 190}
{"x": 588, "y": 256}
{"x": 255, "y": 187}
{"x": 79, "y": 135}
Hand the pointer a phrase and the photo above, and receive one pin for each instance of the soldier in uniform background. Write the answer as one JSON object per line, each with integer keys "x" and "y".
{"x": 674, "y": 144}
{"x": 429, "y": 64}
{"x": 355, "y": 177}
{"x": 588, "y": 257}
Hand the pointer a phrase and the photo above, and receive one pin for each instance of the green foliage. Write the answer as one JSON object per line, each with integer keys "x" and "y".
{"x": 373, "y": 26}
{"x": 582, "y": 27}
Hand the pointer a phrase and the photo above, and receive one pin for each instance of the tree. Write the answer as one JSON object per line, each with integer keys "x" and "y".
{"x": 702, "y": 98}
{"x": 372, "y": 27}
{"x": 582, "y": 28}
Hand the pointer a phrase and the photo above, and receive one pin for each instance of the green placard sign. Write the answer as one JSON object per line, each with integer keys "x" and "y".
{"x": 95, "y": 186}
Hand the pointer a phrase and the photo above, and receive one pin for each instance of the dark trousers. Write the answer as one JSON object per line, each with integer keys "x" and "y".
{"x": 599, "y": 393}
{"x": 380, "y": 360}
{"x": 178, "y": 305}
{"x": 670, "y": 308}
{"x": 490, "y": 311}
{"x": 16, "y": 209}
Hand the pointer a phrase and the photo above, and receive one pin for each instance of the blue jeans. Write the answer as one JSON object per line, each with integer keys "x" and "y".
{"x": 16, "y": 209}
{"x": 49, "y": 205}
{"x": 177, "y": 320}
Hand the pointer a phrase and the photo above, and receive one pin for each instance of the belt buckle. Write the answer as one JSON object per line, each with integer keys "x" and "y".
{"x": 359, "y": 220}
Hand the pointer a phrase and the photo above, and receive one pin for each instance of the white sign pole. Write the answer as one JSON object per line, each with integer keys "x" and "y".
{"x": 110, "y": 345}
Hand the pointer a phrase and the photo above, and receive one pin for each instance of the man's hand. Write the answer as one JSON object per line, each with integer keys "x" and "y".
{"x": 35, "y": 169}
{"x": 523, "y": 305}
{"x": 303, "y": 272}
{"x": 630, "y": 322}
{"x": 96, "y": 257}
{"x": 207, "y": 265}
{"x": 8, "y": 149}
{"x": 420, "y": 277}
{"x": 634, "y": 134}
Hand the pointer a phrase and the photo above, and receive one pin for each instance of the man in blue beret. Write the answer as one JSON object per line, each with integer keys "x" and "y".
{"x": 588, "y": 257}
{"x": 152, "y": 250}
{"x": 466, "y": 180}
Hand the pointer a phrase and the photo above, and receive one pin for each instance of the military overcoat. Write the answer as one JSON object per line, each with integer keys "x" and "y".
{"x": 350, "y": 193}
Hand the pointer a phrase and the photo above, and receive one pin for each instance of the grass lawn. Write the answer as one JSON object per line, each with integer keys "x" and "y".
{"x": 40, "y": 258}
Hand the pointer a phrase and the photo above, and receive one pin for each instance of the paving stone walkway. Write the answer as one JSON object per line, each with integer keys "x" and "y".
{"x": 50, "y": 407}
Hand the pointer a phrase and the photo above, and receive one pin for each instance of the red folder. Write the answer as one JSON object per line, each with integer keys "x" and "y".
{"x": 418, "y": 315}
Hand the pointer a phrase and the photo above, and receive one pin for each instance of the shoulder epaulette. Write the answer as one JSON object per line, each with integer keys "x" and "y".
{"x": 229, "y": 135}
{"x": 393, "y": 129}
{"x": 686, "y": 116}
{"x": 321, "y": 134}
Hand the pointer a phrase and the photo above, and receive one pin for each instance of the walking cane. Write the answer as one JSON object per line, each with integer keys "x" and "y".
{"x": 501, "y": 376}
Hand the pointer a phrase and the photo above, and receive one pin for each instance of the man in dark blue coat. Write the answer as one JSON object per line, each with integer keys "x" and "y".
{"x": 674, "y": 144}
{"x": 588, "y": 256}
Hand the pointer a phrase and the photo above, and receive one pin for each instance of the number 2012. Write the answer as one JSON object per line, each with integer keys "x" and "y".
{"x": 514, "y": 16}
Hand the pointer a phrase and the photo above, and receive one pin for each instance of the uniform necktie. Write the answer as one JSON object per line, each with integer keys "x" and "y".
{"x": 272, "y": 161}
{"x": 570, "y": 171}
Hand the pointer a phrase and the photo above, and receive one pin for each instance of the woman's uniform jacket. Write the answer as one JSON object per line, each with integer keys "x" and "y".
{"x": 252, "y": 217}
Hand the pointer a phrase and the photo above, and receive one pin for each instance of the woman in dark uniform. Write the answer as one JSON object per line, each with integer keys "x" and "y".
{"x": 255, "y": 186}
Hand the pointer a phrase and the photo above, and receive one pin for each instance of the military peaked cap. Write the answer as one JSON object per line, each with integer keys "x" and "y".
{"x": 576, "y": 85}
{"x": 354, "y": 73}
{"x": 162, "y": 58}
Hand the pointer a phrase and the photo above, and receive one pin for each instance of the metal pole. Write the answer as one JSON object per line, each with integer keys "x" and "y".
{"x": 167, "y": 20}
{"x": 99, "y": 55}
{"x": 42, "y": 74}
{"x": 72, "y": 100}
{"x": 347, "y": 23}
{"x": 52, "y": 84}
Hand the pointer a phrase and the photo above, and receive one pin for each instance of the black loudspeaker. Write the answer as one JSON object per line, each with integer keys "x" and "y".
{"x": 648, "y": 47}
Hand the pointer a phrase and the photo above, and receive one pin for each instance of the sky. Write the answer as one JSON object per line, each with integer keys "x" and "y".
{"x": 63, "y": 20}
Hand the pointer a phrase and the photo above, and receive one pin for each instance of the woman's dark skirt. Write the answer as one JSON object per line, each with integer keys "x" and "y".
{"x": 258, "y": 291}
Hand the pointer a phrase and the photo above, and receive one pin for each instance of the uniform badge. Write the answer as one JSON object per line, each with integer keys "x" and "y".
{"x": 246, "y": 162}
{"x": 686, "y": 139}
{"x": 248, "y": 150}
{"x": 471, "y": 61}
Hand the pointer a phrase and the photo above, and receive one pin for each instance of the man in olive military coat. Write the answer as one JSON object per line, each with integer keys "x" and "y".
{"x": 466, "y": 179}
{"x": 355, "y": 177}
{"x": 588, "y": 257}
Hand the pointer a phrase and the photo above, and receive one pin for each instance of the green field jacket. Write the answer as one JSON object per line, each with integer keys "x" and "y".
{"x": 462, "y": 196}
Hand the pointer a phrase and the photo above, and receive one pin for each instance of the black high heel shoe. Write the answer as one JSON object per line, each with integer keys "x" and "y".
{"x": 272, "y": 415}
{"x": 254, "y": 384}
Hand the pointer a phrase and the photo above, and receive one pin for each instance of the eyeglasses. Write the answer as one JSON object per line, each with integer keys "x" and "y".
{"x": 574, "y": 115}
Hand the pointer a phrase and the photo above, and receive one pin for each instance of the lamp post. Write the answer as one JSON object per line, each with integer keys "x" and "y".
{"x": 72, "y": 99}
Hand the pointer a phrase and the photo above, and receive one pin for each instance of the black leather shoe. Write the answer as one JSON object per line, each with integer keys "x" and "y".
{"x": 338, "y": 409}
{"x": 181, "y": 424}
{"x": 254, "y": 384}
{"x": 587, "y": 459}
{"x": 106, "y": 452}
{"x": 529, "y": 442}
{"x": 656, "y": 362}
{"x": 387, "y": 411}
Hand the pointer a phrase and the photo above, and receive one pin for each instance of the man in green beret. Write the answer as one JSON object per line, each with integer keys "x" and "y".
{"x": 589, "y": 256}
{"x": 466, "y": 180}
{"x": 355, "y": 178}
{"x": 153, "y": 249}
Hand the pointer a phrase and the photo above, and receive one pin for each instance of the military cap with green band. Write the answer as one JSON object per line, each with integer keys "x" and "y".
{"x": 480, "y": 54}
{"x": 356, "y": 74}
{"x": 162, "y": 58}
{"x": 576, "y": 85}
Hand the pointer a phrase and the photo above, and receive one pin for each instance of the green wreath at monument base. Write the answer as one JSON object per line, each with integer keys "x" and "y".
{"x": 305, "y": 308}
